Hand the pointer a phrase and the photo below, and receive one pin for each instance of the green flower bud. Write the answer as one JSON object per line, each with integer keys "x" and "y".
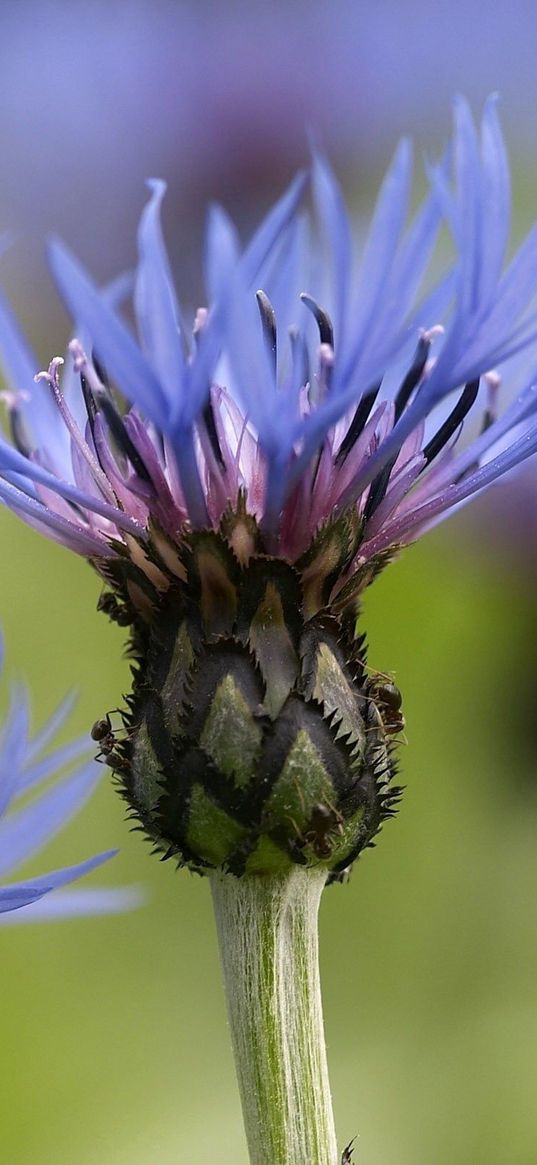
{"x": 256, "y": 736}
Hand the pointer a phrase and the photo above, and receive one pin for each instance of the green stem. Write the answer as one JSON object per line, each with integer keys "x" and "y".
{"x": 267, "y": 928}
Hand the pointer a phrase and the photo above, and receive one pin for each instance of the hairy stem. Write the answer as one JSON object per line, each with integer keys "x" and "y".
{"x": 267, "y": 928}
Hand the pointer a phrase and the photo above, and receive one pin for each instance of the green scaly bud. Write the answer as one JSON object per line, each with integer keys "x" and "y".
{"x": 256, "y": 736}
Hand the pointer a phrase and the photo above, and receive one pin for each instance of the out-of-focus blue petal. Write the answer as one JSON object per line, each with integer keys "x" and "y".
{"x": 49, "y": 730}
{"x": 271, "y": 228}
{"x": 33, "y": 774}
{"x": 34, "y": 888}
{"x": 13, "y": 741}
{"x": 495, "y": 204}
{"x": 35, "y": 402}
{"x": 69, "y": 904}
{"x": 26, "y": 831}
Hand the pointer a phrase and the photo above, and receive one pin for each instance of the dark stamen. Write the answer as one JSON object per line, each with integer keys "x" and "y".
{"x": 100, "y": 369}
{"x": 268, "y": 321}
{"x": 89, "y": 401}
{"x": 412, "y": 378}
{"x": 358, "y": 423}
{"x": 378, "y": 488}
{"x": 451, "y": 424}
{"x": 212, "y": 433}
{"x": 122, "y": 438}
{"x": 322, "y": 319}
{"x": 489, "y": 417}
{"x": 379, "y": 485}
{"x": 19, "y": 435}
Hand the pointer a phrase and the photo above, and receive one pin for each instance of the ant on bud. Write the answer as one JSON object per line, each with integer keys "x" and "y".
{"x": 325, "y": 824}
{"x": 390, "y": 700}
{"x": 103, "y": 734}
{"x": 116, "y": 611}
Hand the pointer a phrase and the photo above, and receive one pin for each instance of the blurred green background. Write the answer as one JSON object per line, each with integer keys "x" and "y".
{"x": 114, "y": 1041}
{"x": 114, "y": 1048}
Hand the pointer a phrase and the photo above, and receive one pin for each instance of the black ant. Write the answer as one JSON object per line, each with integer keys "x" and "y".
{"x": 116, "y": 611}
{"x": 103, "y": 734}
{"x": 325, "y": 824}
{"x": 390, "y": 700}
{"x": 387, "y": 696}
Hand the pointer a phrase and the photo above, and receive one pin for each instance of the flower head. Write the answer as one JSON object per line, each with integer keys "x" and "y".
{"x": 29, "y": 820}
{"x": 270, "y": 460}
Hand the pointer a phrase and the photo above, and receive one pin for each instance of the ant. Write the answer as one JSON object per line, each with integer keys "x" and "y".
{"x": 103, "y": 734}
{"x": 116, "y": 611}
{"x": 390, "y": 700}
{"x": 324, "y": 825}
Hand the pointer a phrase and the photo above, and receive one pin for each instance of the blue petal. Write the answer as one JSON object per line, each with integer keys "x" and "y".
{"x": 113, "y": 342}
{"x": 13, "y": 461}
{"x": 75, "y": 904}
{"x": 271, "y": 228}
{"x": 496, "y": 203}
{"x": 12, "y": 746}
{"x": 383, "y": 238}
{"x": 51, "y": 728}
{"x": 156, "y": 304}
{"x": 32, "y": 775}
{"x": 39, "y": 411}
{"x": 13, "y": 897}
{"x": 23, "y": 893}
{"x": 24, "y": 832}
{"x": 68, "y": 533}
{"x": 335, "y": 221}
{"x": 222, "y": 252}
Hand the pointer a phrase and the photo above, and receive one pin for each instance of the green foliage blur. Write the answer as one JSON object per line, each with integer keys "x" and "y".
{"x": 113, "y": 1041}
{"x": 113, "y": 1033}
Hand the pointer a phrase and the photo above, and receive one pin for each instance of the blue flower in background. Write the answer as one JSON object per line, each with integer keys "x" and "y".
{"x": 31, "y": 816}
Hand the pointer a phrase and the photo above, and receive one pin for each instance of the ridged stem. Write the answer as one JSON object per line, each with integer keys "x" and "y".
{"x": 267, "y": 929}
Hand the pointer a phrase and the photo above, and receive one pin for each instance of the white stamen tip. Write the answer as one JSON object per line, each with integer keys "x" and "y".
{"x": 78, "y": 354}
{"x": 492, "y": 380}
{"x": 12, "y": 400}
{"x": 326, "y": 354}
{"x": 428, "y": 367}
{"x": 51, "y": 375}
{"x": 200, "y": 320}
{"x": 431, "y": 334}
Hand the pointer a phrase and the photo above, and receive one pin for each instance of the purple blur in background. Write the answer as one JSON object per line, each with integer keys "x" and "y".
{"x": 218, "y": 100}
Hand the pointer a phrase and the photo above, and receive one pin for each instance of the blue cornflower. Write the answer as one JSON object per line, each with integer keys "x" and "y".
{"x": 238, "y": 481}
{"x": 29, "y": 821}
{"x": 252, "y": 405}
